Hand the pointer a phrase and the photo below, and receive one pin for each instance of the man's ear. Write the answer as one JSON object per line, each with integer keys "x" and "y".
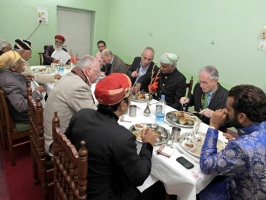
{"x": 242, "y": 117}
{"x": 13, "y": 68}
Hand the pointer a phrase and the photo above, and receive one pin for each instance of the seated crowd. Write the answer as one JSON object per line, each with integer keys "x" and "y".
{"x": 115, "y": 167}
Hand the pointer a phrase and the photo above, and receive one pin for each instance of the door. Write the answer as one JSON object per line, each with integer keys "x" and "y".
{"x": 74, "y": 25}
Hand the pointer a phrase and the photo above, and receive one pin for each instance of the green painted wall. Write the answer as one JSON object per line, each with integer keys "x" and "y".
{"x": 188, "y": 28}
{"x": 209, "y": 32}
{"x": 18, "y": 19}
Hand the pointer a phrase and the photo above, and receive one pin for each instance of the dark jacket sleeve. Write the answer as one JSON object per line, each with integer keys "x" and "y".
{"x": 180, "y": 91}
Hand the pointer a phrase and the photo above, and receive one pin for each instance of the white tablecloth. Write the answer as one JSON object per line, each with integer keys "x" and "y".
{"x": 177, "y": 179}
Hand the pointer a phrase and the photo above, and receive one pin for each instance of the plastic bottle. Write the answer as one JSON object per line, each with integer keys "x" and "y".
{"x": 160, "y": 115}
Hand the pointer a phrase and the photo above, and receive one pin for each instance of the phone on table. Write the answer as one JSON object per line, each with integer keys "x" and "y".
{"x": 185, "y": 162}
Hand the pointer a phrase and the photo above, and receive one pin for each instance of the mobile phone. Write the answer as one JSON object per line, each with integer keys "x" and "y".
{"x": 185, "y": 162}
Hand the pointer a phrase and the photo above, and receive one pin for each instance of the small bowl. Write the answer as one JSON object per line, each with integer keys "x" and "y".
{"x": 138, "y": 127}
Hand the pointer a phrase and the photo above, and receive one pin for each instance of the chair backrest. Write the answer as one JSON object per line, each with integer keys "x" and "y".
{"x": 127, "y": 66}
{"x": 70, "y": 166}
{"x": 41, "y": 57}
{"x": 189, "y": 86}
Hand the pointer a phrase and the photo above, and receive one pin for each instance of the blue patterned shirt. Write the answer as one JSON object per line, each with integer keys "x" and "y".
{"x": 243, "y": 161}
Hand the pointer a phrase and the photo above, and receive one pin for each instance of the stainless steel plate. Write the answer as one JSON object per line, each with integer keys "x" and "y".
{"x": 161, "y": 133}
{"x": 172, "y": 117}
{"x": 136, "y": 99}
{"x": 197, "y": 150}
{"x": 39, "y": 70}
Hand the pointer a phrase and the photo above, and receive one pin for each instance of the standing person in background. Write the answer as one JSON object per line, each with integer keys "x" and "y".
{"x": 48, "y": 51}
{"x": 4, "y": 47}
{"x": 172, "y": 83}
{"x": 23, "y": 47}
{"x": 113, "y": 64}
{"x": 101, "y": 46}
{"x": 140, "y": 66}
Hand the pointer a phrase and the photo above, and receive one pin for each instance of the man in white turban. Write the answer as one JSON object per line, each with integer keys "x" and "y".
{"x": 171, "y": 82}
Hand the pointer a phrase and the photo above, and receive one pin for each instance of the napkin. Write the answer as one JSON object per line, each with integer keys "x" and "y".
{"x": 61, "y": 55}
{"x": 165, "y": 151}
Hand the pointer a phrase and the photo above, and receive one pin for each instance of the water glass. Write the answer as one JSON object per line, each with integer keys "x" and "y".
{"x": 132, "y": 110}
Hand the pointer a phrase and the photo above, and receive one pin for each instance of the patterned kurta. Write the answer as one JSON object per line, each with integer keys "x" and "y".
{"x": 243, "y": 162}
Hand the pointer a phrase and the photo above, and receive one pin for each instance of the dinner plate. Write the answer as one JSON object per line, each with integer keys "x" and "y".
{"x": 162, "y": 135}
{"x": 139, "y": 98}
{"x": 180, "y": 118}
{"x": 39, "y": 70}
{"x": 191, "y": 137}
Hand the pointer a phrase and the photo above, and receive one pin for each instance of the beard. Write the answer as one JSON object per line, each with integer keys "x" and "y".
{"x": 58, "y": 48}
{"x": 235, "y": 123}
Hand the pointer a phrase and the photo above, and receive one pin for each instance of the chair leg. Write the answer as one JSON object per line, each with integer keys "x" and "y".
{"x": 44, "y": 184}
{"x": 35, "y": 172}
{"x": 11, "y": 149}
{"x": 3, "y": 138}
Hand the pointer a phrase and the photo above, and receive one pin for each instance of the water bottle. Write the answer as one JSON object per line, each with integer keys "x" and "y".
{"x": 61, "y": 68}
{"x": 159, "y": 115}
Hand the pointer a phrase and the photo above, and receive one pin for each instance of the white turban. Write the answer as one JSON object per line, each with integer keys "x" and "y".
{"x": 169, "y": 58}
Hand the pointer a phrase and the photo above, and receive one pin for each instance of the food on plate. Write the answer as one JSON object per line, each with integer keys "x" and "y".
{"x": 141, "y": 96}
{"x": 156, "y": 134}
{"x": 182, "y": 121}
{"x": 138, "y": 125}
{"x": 190, "y": 121}
{"x": 39, "y": 70}
{"x": 189, "y": 145}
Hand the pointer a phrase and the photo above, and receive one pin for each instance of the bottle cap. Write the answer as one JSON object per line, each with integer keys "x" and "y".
{"x": 163, "y": 96}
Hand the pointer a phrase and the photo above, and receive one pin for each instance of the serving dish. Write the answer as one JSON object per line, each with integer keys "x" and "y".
{"x": 162, "y": 135}
{"x": 140, "y": 97}
{"x": 181, "y": 118}
{"x": 196, "y": 138}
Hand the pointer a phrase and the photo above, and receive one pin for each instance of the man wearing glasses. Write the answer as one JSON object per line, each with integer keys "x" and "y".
{"x": 208, "y": 95}
{"x": 140, "y": 66}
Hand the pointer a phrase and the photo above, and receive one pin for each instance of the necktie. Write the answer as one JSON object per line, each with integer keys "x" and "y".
{"x": 205, "y": 101}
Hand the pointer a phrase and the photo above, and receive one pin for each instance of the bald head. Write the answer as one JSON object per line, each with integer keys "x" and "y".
{"x": 107, "y": 56}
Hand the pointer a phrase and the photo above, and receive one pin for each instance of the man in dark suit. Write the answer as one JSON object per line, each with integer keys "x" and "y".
{"x": 171, "y": 82}
{"x": 113, "y": 64}
{"x": 208, "y": 95}
{"x": 49, "y": 49}
{"x": 142, "y": 65}
{"x": 115, "y": 168}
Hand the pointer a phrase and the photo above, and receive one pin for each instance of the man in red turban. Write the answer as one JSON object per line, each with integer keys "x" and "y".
{"x": 49, "y": 49}
{"x": 115, "y": 168}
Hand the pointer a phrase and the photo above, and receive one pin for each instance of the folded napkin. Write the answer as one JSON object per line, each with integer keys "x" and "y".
{"x": 165, "y": 151}
{"x": 61, "y": 55}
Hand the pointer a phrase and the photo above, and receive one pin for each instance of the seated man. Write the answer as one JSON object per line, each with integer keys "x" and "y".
{"x": 243, "y": 160}
{"x": 171, "y": 82}
{"x": 23, "y": 47}
{"x": 71, "y": 93}
{"x": 49, "y": 49}
{"x": 208, "y": 95}
{"x": 15, "y": 88}
{"x": 140, "y": 66}
{"x": 4, "y": 47}
{"x": 115, "y": 168}
{"x": 112, "y": 63}
{"x": 101, "y": 46}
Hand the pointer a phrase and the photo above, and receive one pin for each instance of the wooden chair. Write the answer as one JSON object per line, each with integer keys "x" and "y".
{"x": 127, "y": 65}
{"x": 12, "y": 133}
{"x": 3, "y": 130}
{"x": 41, "y": 57}
{"x": 39, "y": 159}
{"x": 70, "y": 166}
{"x": 189, "y": 87}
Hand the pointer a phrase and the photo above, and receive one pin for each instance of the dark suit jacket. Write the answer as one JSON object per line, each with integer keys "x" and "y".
{"x": 48, "y": 51}
{"x": 218, "y": 101}
{"x": 172, "y": 85}
{"x": 118, "y": 66}
{"x": 133, "y": 67}
{"x": 113, "y": 158}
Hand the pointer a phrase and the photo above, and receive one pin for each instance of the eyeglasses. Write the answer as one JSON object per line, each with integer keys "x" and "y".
{"x": 97, "y": 70}
{"x": 204, "y": 82}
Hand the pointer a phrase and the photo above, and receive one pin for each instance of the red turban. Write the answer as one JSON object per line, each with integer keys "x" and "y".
{"x": 60, "y": 37}
{"x": 112, "y": 89}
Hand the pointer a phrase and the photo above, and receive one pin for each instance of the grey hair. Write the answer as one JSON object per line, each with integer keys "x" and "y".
{"x": 85, "y": 61}
{"x": 11, "y": 65}
{"x": 3, "y": 44}
{"x": 107, "y": 52}
{"x": 212, "y": 71}
{"x": 149, "y": 49}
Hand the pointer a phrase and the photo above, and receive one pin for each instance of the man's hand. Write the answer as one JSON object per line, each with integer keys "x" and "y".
{"x": 40, "y": 89}
{"x": 57, "y": 76}
{"x": 148, "y": 136}
{"x": 56, "y": 61}
{"x": 228, "y": 136}
{"x": 207, "y": 112}
{"x": 218, "y": 118}
{"x": 184, "y": 100}
{"x": 136, "y": 89}
{"x": 29, "y": 77}
{"x": 135, "y": 73}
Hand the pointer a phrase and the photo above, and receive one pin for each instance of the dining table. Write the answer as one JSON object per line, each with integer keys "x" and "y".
{"x": 177, "y": 180}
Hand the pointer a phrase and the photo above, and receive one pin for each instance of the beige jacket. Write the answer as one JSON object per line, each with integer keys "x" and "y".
{"x": 69, "y": 95}
{"x": 40, "y": 78}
